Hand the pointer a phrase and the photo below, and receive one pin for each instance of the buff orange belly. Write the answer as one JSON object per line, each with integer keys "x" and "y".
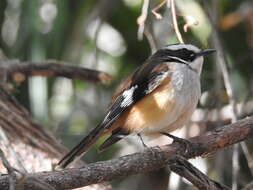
{"x": 150, "y": 113}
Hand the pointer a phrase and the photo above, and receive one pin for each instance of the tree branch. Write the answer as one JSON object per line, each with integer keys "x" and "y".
{"x": 19, "y": 71}
{"x": 146, "y": 161}
{"x": 185, "y": 169}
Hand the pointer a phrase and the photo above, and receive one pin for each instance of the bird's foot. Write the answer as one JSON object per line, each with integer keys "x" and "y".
{"x": 178, "y": 140}
{"x": 150, "y": 149}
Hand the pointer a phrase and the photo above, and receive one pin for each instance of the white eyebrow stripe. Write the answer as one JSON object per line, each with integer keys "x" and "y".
{"x": 183, "y": 62}
{"x": 180, "y": 60}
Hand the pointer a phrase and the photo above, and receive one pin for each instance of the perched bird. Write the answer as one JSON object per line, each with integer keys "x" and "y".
{"x": 158, "y": 97}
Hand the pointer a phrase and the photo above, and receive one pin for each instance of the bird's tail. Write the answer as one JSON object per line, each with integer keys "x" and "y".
{"x": 116, "y": 136}
{"x": 82, "y": 147}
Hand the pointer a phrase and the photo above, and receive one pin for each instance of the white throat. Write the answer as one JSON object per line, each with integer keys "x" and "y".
{"x": 197, "y": 64}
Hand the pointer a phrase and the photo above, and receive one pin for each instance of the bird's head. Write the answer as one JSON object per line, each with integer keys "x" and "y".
{"x": 187, "y": 54}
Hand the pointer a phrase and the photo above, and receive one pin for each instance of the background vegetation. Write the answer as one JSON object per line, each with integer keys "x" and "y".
{"x": 105, "y": 35}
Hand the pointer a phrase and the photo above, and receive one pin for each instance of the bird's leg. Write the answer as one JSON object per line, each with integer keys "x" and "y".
{"x": 144, "y": 145}
{"x": 182, "y": 141}
{"x": 139, "y": 135}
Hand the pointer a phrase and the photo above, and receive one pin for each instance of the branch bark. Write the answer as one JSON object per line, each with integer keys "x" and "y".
{"x": 150, "y": 159}
{"x": 18, "y": 124}
{"x": 19, "y": 71}
{"x": 185, "y": 169}
{"x": 27, "y": 145}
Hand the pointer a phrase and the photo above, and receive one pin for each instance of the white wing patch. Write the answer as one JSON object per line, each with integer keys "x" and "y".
{"x": 178, "y": 80}
{"x": 128, "y": 96}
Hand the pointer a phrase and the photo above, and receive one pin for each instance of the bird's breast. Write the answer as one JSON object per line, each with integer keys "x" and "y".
{"x": 162, "y": 107}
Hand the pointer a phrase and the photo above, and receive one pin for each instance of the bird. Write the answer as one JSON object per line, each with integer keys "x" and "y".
{"x": 157, "y": 98}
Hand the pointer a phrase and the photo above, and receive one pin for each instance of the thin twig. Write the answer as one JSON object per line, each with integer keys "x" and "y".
{"x": 142, "y": 19}
{"x": 143, "y": 29}
{"x": 249, "y": 186}
{"x": 247, "y": 155}
{"x": 190, "y": 22}
{"x": 174, "y": 21}
{"x": 151, "y": 40}
{"x": 154, "y": 10}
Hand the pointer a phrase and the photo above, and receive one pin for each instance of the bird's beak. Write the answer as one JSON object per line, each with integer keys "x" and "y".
{"x": 206, "y": 52}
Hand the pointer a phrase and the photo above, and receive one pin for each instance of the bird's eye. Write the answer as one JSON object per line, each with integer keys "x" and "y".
{"x": 192, "y": 56}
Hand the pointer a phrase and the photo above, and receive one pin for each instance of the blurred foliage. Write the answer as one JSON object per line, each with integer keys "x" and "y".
{"x": 103, "y": 35}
